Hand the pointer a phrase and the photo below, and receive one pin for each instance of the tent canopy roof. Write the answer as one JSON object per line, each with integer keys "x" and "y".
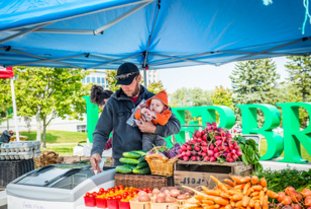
{"x": 151, "y": 33}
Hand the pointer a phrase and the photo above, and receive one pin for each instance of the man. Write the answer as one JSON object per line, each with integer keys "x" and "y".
{"x": 118, "y": 110}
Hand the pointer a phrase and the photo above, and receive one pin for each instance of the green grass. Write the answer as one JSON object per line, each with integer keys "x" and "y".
{"x": 54, "y": 137}
{"x": 263, "y": 148}
{"x": 61, "y": 142}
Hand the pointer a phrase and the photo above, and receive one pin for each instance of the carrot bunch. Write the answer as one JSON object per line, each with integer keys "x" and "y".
{"x": 236, "y": 192}
{"x": 291, "y": 198}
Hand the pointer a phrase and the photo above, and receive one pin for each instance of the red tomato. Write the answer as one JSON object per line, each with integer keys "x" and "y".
{"x": 87, "y": 194}
{"x": 102, "y": 190}
{"x": 121, "y": 186}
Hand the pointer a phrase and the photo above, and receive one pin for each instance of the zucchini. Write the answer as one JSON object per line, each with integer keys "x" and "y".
{"x": 145, "y": 170}
{"x": 131, "y": 154}
{"x": 123, "y": 169}
{"x": 141, "y": 165}
{"x": 128, "y": 161}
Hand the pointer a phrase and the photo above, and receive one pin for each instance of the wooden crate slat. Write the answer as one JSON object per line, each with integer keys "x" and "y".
{"x": 192, "y": 173}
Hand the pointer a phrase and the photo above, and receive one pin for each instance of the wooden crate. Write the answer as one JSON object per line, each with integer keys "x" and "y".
{"x": 143, "y": 181}
{"x": 194, "y": 174}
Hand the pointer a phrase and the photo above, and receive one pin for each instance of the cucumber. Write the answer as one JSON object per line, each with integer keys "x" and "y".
{"x": 131, "y": 154}
{"x": 130, "y": 166}
{"x": 123, "y": 169}
{"x": 142, "y": 159}
{"x": 145, "y": 170}
{"x": 141, "y": 165}
{"x": 129, "y": 161}
{"x": 140, "y": 152}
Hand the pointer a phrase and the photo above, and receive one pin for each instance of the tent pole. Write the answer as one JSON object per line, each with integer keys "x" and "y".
{"x": 7, "y": 120}
{"x": 145, "y": 77}
{"x": 14, "y": 109}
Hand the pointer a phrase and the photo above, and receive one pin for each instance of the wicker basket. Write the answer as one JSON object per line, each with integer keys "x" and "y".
{"x": 143, "y": 181}
{"x": 160, "y": 165}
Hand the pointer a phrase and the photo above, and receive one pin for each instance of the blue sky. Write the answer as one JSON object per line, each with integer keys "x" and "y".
{"x": 206, "y": 77}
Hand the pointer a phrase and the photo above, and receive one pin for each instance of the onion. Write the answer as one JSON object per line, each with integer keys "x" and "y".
{"x": 174, "y": 192}
{"x": 155, "y": 191}
{"x": 144, "y": 198}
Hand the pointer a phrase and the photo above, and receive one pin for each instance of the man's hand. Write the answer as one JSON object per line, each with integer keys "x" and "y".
{"x": 146, "y": 127}
{"x": 95, "y": 160}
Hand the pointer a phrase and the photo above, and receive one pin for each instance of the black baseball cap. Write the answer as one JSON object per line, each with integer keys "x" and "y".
{"x": 126, "y": 73}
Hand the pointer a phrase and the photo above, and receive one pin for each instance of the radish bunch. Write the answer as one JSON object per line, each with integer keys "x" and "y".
{"x": 210, "y": 145}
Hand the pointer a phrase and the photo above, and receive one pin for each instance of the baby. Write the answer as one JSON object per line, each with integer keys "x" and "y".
{"x": 157, "y": 111}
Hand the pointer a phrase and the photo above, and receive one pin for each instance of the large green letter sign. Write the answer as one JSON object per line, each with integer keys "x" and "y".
{"x": 91, "y": 117}
{"x": 293, "y": 136}
{"x": 271, "y": 120}
{"x": 226, "y": 116}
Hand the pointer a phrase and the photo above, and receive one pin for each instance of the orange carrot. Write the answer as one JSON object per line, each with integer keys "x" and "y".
{"x": 257, "y": 187}
{"x": 263, "y": 182}
{"x": 220, "y": 184}
{"x": 238, "y": 204}
{"x": 208, "y": 202}
{"x": 229, "y": 182}
{"x": 254, "y": 180}
{"x": 306, "y": 192}
{"x": 246, "y": 179}
{"x": 237, "y": 197}
{"x": 253, "y": 194}
{"x": 210, "y": 192}
{"x": 261, "y": 197}
{"x": 245, "y": 201}
{"x": 272, "y": 194}
{"x": 286, "y": 200}
{"x": 246, "y": 187}
{"x": 228, "y": 207}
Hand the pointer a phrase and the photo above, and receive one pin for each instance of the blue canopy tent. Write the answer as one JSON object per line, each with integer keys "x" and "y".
{"x": 154, "y": 34}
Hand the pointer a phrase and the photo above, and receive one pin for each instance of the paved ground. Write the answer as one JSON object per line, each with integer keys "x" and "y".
{"x": 3, "y": 200}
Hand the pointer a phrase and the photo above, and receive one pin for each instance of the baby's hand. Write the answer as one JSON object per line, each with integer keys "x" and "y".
{"x": 143, "y": 110}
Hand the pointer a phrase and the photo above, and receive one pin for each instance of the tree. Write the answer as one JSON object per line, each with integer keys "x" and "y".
{"x": 48, "y": 93}
{"x": 190, "y": 97}
{"x": 111, "y": 79}
{"x": 155, "y": 87}
{"x": 299, "y": 69}
{"x": 222, "y": 96}
{"x": 5, "y": 98}
{"x": 252, "y": 81}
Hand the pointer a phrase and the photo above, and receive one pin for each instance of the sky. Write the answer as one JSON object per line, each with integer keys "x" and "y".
{"x": 206, "y": 77}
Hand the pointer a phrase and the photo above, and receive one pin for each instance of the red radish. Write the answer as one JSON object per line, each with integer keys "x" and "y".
{"x": 206, "y": 158}
{"x": 193, "y": 158}
{"x": 210, "y": 152}
{"x": 212, "y": 159}
{"x": 197, "y": 148}
{"x": 185, "y": 158}
{"x": 197, "y": 134}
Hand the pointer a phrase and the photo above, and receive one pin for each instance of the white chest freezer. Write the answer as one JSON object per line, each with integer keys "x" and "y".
{"x": 56, "y": 187}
